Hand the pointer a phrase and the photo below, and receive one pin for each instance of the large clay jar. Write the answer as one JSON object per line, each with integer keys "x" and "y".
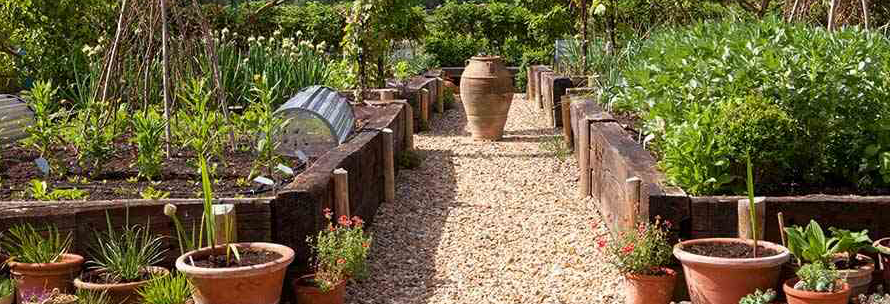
{"x": 796, "y": 296}
{"x": 648, "y": 289}
{"x": 257, "y": 284}
{"x": 860, "y": 278}
{"x": 122, "y": 293}
{"x": 486, "y": 91}
{"x": 714, "y": 280}
{"x": 41, "y": 278}
{"x": 306, "y": 293}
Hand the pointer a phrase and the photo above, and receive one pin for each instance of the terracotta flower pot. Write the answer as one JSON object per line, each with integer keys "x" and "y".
{"x": 795, "y": 296}
{"x": 714, "y": 280}
{"x": 648, "y": 289}
{"x": 41, "y": 278}
{"x": 123, "y": 293}
{"x": 860, "y": 278}
{"x": 309, "y": 294}
{"x": 257, "y": 284}
{"x": 884, "y": 261}
{"x": 486, "y": 91}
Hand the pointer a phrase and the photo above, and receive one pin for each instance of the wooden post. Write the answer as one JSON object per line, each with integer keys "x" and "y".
{"x": 584, "y": 161}
{"x": 341, "y": 192}
{"x": 389, "y": 167}
{"x": 745, "y": 217}
{"x": 226, "y": 223}
{"x": 566, "y": 110}
{"x": 166, "y": 78}
{"x": 633, "y": 201}
{"x": 424, "y": 106}
{"x": 440, "y": 93}
{"x": 409, "y": 128}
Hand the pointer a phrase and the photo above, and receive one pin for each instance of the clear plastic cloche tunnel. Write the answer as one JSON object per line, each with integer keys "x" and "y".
{"x": 318, "y": 119}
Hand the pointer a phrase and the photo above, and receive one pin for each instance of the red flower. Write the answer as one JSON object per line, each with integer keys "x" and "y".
{"x": 341, "y": 261}
{"x": 357, "y": 221}
{"x": 594, "y": 224}
{"x": 365, "y": 245}
{"x": 600, "y": 243}
{"x": 328, "y": 213}
{"x": 331, "y": 228}
{"x": 667, "y": 224}
{"x": 344, "y": 221}
{"x": 628, "y": 249}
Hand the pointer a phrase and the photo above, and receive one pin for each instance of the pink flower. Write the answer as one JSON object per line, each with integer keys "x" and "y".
{"x": 328, "y": 213}
{"x": 344, "y": 221}
{"x": 357, "y": 221}
{"x": 600, "y": 243}
{"x": 628, "y": 249}
{"x": 667, "y": 224}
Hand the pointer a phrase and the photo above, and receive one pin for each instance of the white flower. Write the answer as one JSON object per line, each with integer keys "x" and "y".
{"x": 260, "y": 38}
{"x": 170, "y": 210}
{"x": 225, "y": 30}
{"x": 86, "y": 49}
{"x": 250, "y": 39}
{"x": 276, "y": 33}
{"x": 299, "y": 33}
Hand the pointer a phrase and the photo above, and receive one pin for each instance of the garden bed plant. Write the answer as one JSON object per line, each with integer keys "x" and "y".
{"x": 812, "y": 104}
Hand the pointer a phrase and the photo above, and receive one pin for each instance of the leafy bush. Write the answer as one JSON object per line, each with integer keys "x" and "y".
{"x": 453, "y": 50}
{"x": 148, "y": 132}
{"x": 809, "y": 99}
{"x": 43, "y": 135}
{"x": 341, "y": 251}
{"x": 818, "y": 277}
{"x": 640, "y": 251}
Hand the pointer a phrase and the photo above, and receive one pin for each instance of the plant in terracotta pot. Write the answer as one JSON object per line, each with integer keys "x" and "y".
{"x": 229, "y": 273}
{"x": 39, "y": 261}
{"x": 341, "y": 253}
{"x": 874, "y": 299}
{"x": 642, "y": 256}
{"x": 759, "y": 297}
{"x": 817, "y": 283}
{"x": 723, "y": 270}
{"x": 122, "y": 262}
{"x": 7, "y": 291}
{"x": 167, "y": 289}
{"x": 56, "y": 297}
{"x": 841, "y": 250}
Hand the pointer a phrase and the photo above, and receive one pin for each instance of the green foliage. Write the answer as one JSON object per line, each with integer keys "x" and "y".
{"x": 40, "y": 191}
{"x": 341, "y": 251}
{"x": 818, "y": 277}
{"x": 7, "y": 287}
{"x": 86, "y": 296}
{"x": 93, "y": 129}
{"x": 43, "y": 135}
{"x": 148, "y": 132}
{"x": 408, "y": 160}
{"x": 641, "y": 251}
{"x": 808, "y": 97}
{"x": 167, "y": 289}
{"x": 270, "y": 127}
{"x": 876, "y": 298}
{"x": 124, "y": 253}
{"x": 759, "y": 297}
{"x": 453, "y": 50}
{"x": 318, "y": 22}
{"x": 150, "y": 193}
{"x": 25, "y": 244}
{"x": 557, "y": 146}
{"x": 810, "y": 245}
{"x": 199, "y": 126}
{"x": 449, "y": 99}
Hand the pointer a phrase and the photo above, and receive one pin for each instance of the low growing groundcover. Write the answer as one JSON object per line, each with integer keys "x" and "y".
{"x": 810, "y": 107}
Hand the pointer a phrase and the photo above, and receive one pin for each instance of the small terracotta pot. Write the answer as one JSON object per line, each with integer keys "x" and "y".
{"x": 123, "y": 293}
{"x": 795, "y": 296}
{"x": 257, "y": 284}
{"x": 884, "y": 261}
{"x": 41, "y": 278}
{"x": 713, "y": 280}
{"x": 309, "y": 294}
{"x": 860, "y": 278}
{"x": 648, "y": 289}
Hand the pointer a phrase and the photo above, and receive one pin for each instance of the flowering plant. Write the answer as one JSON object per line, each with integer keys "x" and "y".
{"x": 341, "y": 251}
{"x": 640, "y": 252}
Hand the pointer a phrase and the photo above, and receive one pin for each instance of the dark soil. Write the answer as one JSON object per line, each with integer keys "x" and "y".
{"x": 115, "y": 179}
{"x": 729, "y": 250}
{"x": 248, "y": 258}
{"x": 103, "y": 278}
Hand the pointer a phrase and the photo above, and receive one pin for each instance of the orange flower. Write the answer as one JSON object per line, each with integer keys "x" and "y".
{"x": 341, "y": 261}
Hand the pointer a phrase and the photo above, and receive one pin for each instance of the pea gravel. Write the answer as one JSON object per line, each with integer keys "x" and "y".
{"x": 487, "y": 222}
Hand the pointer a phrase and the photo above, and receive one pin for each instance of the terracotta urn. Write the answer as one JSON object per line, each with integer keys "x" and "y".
{"x": 256, "y": 284}
{"x": 486, "y": 91}
{"x": 650, "y": 289}
{"x": 41, "y": 278}
{"x": 123, "y": 293}
{"x": 716, "y": 280}
{"x": 307, "y": 293}
{"x": 796, "y": 296}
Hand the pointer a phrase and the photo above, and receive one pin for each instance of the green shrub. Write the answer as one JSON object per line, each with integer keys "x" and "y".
{"x": 823, "y": 93}
{"x": 453, "y": 50}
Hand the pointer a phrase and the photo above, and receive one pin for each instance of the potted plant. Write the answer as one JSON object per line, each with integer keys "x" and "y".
{"x": 229, "y": 273}
{"x": 723, "y": 270}
{"x": 7, "y": 291}
{"x": 874, "y": 299}
{"x": 123, "y": 262}
{"x": 883, "y": 248}
{"x": 166, "y": 289}
{"x": 642, "y": 256}
{"x": 817, "y": 283}
{"x": 39, "y": 263}
{"x": 759, "y": 297}
{"x": 57, "y": 297}
{"x": 341, "y": 252}
{"x": 842, "y": 250}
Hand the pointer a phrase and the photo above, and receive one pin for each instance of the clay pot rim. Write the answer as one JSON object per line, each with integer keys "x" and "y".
{"x": 642, "y": 277}
{"x": 742, "y": 263}
{"x": 287, "y": 256}
{"x": 869, "y": 267}
{"x": 486, "y": 58}
{"x": 885, "y": 240}
{"x": 788, "y": 287}
{"x": 80, "y": 284}
{"x": 313, "y": 289}
{"x": 67, "y": 260}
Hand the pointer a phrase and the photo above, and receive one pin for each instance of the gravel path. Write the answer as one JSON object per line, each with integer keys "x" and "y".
{"x": 495, "y": 222}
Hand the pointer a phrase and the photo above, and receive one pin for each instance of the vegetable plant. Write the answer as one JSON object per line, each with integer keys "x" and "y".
{"x": 123, "y": 256}
{"x": 269, "y": 127}
{"x": 93, "y": 130}
{"x": 40, "y": 191}
{"x": 818, "y": 277}
{"x": 43, "y": 135}
{"x": 199, "y": 125}
{"x": 341, "y": 251}
{"x": 25, "y": 244}
{"x": 173, "y": 288}
{"x": 810, "y": 245}
{"x": 148, "y": 132}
